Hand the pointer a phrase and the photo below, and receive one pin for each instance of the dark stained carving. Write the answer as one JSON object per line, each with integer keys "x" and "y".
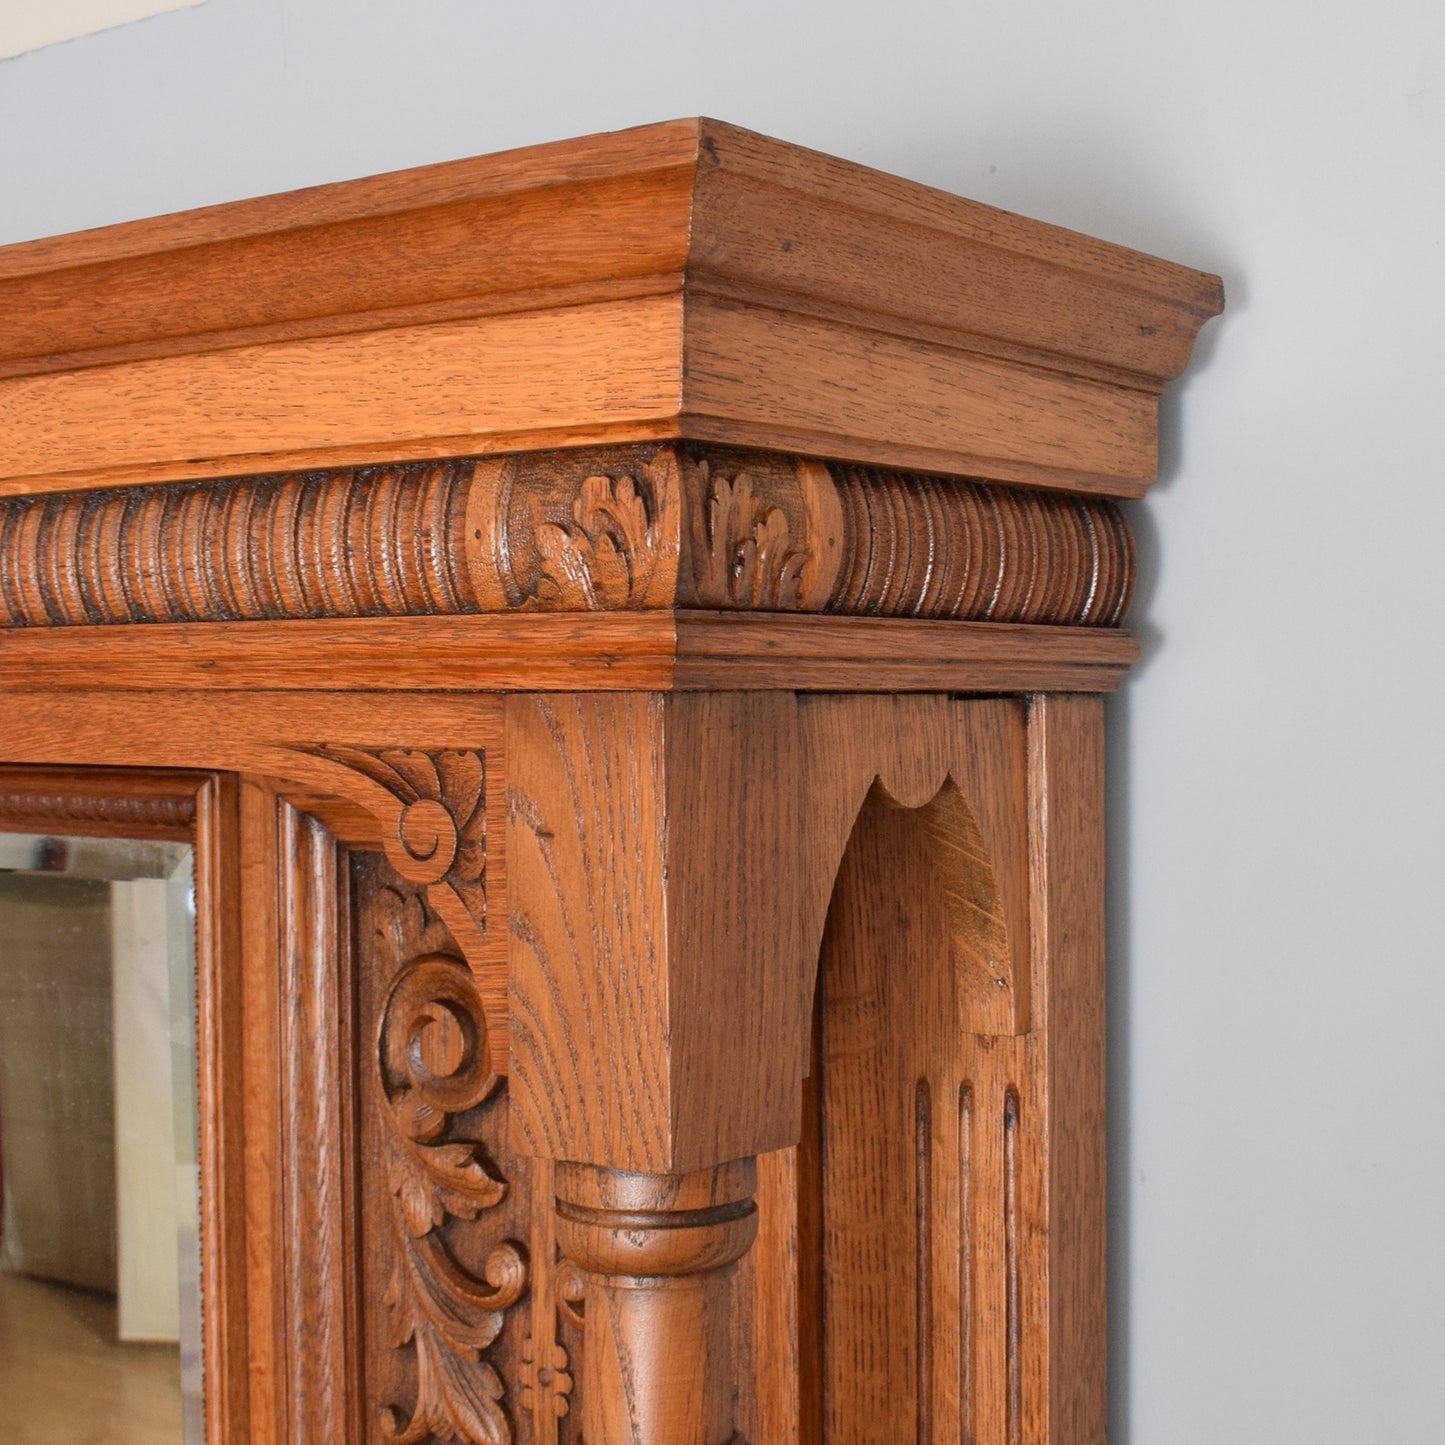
{"x": 374, "y": 542}
{"x": 922, "y": 546}
{"x": 628, "y": 527}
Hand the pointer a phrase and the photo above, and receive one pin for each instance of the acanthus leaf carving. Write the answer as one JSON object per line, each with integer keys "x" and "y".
{"x": 748, "y": 557}
{"x": 590, "y": 532}
{"x": 605, "y": 557}
{"x": 433, "y": 1064}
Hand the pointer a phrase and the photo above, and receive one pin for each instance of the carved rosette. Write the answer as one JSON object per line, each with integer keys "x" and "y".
{"x": 433, "y": 1063}
{"x": 627, "y": 527}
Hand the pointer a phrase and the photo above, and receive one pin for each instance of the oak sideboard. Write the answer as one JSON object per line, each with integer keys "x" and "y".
{"x": 621, "y": 627}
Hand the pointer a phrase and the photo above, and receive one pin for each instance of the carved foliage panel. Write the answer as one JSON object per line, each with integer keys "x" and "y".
{"x": 469, "y": 1333}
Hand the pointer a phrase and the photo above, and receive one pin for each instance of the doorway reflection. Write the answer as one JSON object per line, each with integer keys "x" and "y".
{"x": 100, "y": 1310}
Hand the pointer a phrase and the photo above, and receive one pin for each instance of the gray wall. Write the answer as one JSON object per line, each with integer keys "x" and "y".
{"x": 1279, "y": 1091}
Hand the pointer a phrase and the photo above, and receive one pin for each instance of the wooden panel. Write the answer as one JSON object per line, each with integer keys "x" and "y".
{"x": 925, "y": 1091}
{"x": 640, "y": 151}
{"x": 946, "y": 1223}
{"x": 587, "y": 841}
{"x": 653, "y": 650}
{"x": 570, "y": 376}
{"x": 658, "y": 994}
{"x": 798, "y": 384}
{"x": 830, "y": 311}
{"x": 517, "y": 250}
{"x": 317, "y": 1128}
{"x": 772, "y": 219}
{"x": 221, "y": 1100}
{"x": 1066, "y": 808}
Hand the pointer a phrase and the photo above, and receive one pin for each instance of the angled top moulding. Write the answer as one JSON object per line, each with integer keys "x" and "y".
{"x": 685, "y": 280}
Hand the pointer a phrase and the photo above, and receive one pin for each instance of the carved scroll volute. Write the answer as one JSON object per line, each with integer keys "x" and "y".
{"x": 766, "y": 535}
{"x": 575, "y": 532}
{"x": 433, "y": 1063}
{"x": 432, "y": 808}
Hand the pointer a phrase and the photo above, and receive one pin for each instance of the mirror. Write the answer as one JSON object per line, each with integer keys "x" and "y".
{"x": 100, "y": 1308}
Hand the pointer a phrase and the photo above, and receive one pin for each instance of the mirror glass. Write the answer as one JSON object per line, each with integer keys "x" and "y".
{"x": 100, "y": 1309}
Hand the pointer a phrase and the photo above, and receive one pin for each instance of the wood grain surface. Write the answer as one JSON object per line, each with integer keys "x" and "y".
{"x": 624, "y": 528}
{"x": 662, "y": 651}
{"x": 616, "y": 620}
{"x": 657, "y": 1256}
{"x": 99, "y": 803}
{"x": 683, "y": 280}
{"x": 929, "y": 1263}
{"x": 653, "y": 993}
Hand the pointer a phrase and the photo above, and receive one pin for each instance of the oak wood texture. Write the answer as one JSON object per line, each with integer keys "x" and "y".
{"x": 618, "y": 621}
{"x": 686, "y": 280}
{"x": 633, "y": 953}
{"x": 657, "y": 1255}
{"x": 930, "y": 1259}
{"x": 580, "y": 531}
{"x": 658, "y": 651}
{"x": 944, "y": 831}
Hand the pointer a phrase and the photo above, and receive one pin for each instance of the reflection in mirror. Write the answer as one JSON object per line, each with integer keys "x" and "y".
{"x": 100, "y": 1310}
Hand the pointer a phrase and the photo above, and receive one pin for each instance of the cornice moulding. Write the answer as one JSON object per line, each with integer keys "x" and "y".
{"x": 688, "y": 281}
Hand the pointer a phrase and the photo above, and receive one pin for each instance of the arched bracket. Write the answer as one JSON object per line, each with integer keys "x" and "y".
{"x": 940, "y": 847}
{"x": 429, "y": 808}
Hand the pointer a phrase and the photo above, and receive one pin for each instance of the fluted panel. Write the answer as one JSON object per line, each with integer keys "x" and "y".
{"x": 375, "y": 542}
{"x": 943, "y": 547}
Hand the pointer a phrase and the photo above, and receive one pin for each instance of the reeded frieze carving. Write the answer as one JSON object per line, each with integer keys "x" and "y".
{"x": 602, "y": 529}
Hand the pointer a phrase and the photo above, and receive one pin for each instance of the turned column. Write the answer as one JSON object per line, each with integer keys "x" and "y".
{"x": 659, "y": 1254}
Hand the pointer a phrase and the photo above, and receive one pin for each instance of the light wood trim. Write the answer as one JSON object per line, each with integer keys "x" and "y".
{"x": 662, "y": 650}
{"x": 581, "y": 373}
{"x": 797, "y": 383}
{"x": 472, "y": 308}
{"x": 1066, "y": 826}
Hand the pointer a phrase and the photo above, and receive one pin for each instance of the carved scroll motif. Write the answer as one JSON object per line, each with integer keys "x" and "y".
{"x": 433, "y": 809}
{"x": 433, "y": 1063}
